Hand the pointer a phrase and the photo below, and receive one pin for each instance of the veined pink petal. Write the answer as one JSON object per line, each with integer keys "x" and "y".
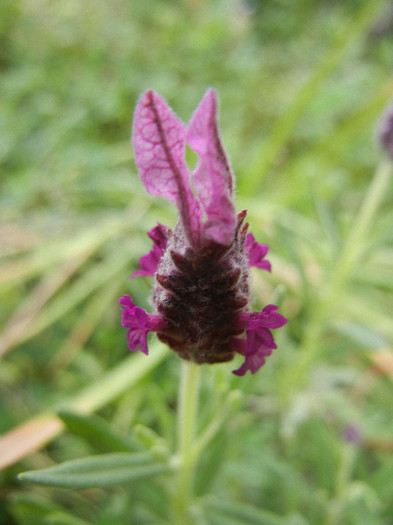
{"x": 159, "y": 141}
{"x": 212, "y": 178}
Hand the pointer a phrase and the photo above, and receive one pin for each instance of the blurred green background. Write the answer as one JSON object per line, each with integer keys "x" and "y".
{"x": 302, "y": 84}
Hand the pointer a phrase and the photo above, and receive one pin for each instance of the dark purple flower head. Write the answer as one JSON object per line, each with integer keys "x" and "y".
{"x": 201, "y": 269}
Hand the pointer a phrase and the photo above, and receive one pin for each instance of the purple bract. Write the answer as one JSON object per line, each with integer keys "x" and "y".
{"x": 201, "y": 269}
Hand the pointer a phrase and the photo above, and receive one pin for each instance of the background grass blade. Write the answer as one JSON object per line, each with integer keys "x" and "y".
{"x": 35, "y": 433}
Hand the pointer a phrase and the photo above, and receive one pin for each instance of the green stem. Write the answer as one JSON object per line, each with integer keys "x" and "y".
{"x": 345, "y": 264}
{"x": 186, "y": 430}
{"x": 223, "y": 413}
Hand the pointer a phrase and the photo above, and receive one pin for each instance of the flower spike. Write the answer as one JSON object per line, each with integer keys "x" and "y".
{"x": 201, "y": 290}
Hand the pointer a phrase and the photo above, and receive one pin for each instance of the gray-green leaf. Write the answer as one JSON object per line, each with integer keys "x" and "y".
{"x": 102, "y": 471}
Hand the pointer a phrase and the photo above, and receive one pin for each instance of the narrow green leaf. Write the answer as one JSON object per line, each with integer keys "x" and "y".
{"x": 97, "y": 471}
{"x": 27, "y": 509}
{"x": 148, "y": 438}
{"x": 96, "y": 431}
{"x": 63, "y": 518}
{"x": 225, "y": 513}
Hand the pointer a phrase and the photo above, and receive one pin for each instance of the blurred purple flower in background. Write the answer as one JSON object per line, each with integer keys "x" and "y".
{"x": 352, "y": 434}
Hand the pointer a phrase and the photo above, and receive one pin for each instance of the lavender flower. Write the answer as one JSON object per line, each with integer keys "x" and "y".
{"x": 201, "y": 277}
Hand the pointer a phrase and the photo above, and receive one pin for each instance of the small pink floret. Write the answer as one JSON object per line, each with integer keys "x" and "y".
{"x": 159, "y": 235}
{"x": 256, "y": 253}
{"x": 260, "y": 341}
{"x": 138, "y": 322}
{"x": 149, "y": 262}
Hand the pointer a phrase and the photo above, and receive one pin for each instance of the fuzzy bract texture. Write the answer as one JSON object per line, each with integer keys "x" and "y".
{"x": 201, "y": 290}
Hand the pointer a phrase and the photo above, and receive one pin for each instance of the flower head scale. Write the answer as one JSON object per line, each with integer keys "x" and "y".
{"x": 201, "y": 268}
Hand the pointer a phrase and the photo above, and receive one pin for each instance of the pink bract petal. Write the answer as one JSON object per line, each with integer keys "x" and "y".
{"x": 159, "y": 142}
{"x": 256, "y": 253}
{"x": 212, "y": 178}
